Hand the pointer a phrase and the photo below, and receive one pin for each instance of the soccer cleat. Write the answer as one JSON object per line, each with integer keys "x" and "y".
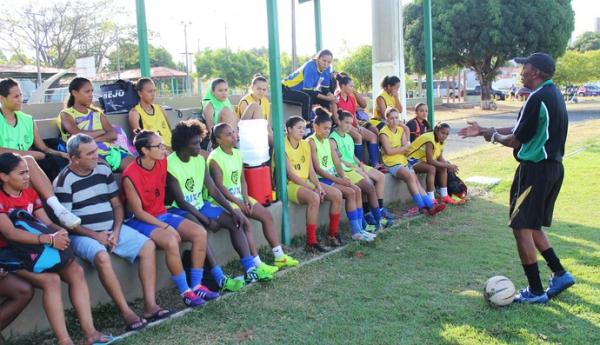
{"x": 254, "y": 275}
{"x": 286, "y": 261}
{"x": 525, "y": 296}
{"x": 191, "y": 300}
{"x": 267, "y": 268}
{"x": 205, "y": 293}
{"x": 370, "y": 228}
{"x": 434, "y": 210}
{"x": 557, "y": 284}
{"x": 68, "y": 219}
{"x": 411, "y": 212}
{"x": 362, "y": 237}
{"x": 369, "y": 218}
{"x": 315, "y": 249}
{"x": 369, "y": 234}
{"x": 448, "y": 200}
{"x": 231, "y": 284}
{"x": 385, "y": 213}
{"x": 334, "y": 241}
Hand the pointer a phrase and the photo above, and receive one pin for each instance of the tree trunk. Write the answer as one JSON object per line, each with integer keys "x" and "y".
{"x": 485, "y": 81}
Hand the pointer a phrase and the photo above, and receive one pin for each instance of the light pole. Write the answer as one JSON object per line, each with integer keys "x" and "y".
{"x": 37, "y": 47}
{"x": 187, "y": 61}
{"x": 118, "y": 55}
{"x": 294, "y": 58}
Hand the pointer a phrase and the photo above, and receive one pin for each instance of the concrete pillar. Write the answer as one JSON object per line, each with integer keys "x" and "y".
{"x": 388, "y": 45}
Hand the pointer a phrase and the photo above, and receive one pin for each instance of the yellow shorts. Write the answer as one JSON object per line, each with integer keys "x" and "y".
{"x": 252, "y": 202}
{"x": 374, "y": 122}
{"x": 292, "y": 191}
{"x": 353, "y": 176}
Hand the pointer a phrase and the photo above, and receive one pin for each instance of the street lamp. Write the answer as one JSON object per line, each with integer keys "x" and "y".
{"x": 187, "y": 62}
{"x": 37, "y": 47}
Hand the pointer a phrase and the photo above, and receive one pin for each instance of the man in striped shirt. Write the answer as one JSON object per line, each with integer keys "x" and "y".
{"x": 88, "y": 189}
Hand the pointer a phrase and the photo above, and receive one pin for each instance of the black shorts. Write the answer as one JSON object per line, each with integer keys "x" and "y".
{"x": 533, "y": 194}
{"x": 9, "y": 261}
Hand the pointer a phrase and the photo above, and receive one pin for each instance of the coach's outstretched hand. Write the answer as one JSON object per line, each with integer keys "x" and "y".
{"x": 472, "y": 130}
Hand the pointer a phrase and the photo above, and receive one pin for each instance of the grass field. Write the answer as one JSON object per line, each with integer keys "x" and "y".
{"x": 421, "y": 282}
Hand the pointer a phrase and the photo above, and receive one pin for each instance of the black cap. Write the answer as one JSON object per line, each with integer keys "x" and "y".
{"x": 541, "y": 61}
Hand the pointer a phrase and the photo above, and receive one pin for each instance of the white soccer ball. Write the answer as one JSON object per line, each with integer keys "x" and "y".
{"x": 499, "y": 291}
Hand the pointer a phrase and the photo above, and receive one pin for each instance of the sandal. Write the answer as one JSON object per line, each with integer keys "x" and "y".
{"x": 159, "y": 315}
{"x": 136, "y": 325}
{"x": 105, "y": 339}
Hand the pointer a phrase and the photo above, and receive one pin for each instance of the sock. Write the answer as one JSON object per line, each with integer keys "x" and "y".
{"x": 533, "y": 278}
{"x": 418, "y": 200}
{"x": 431, "y": 195}
{"x": 218, "y": 275}
{"x": 361, "y": 217}
{"x": 181, "y": 282}
{"x": 257, "y": 261}
{"x": 358, "y": 151}
{"x": 366, "y": 207}
{"x": 380, "y": 202}
{"x": 427, "y": 200}
{"x": 277, "y": 252}
{"x": 56, "y": 206}
{"x": 553, "y": 262}
{"x": 311, "y": 234}
{"x": 373, "y": 153}
{"x": 334, "y": 224}
{"x": 355, "y": 222}
{"x": 196, "y": 275}
{"x": 377, "y": 215}
{"x": 248, "y": 263}
{"x": 443, "y": 192}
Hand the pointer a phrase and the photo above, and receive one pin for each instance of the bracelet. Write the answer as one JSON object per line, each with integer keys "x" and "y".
{"x": 51, "y": 244}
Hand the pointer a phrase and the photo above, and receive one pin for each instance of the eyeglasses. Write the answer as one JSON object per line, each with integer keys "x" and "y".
{"x": 160, "y": 146}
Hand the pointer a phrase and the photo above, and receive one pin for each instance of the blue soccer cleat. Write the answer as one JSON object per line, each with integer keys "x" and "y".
{"x": 558, "y": 284}
{"x": 525, "y": 296}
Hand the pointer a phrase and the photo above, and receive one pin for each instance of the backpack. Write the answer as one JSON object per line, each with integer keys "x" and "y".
{"x": 37, "y": 258}
{"x": 118, "y": 97}
{"x": 456, "y": 186}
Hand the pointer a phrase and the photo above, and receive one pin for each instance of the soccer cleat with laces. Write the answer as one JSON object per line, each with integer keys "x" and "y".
{"x": 254, "y": 275}
{"x": 205, "y": 293}
{"x": 558, "y": 284}
{"x": 231, "y": 284}
{"x": 448, "y": 200}
{"x": 525, "y": 296}
{"x": 362, "y": 237}
{"x": 434, "y": 210}
{"x": 191, "y": 300}
{"x": 315, "y": 248}
{"x": 286, "y": 261}
{"x": 268, "y": 269}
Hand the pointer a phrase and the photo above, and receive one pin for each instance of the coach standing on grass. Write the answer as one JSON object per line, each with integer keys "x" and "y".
{"x": 538, "y": 140}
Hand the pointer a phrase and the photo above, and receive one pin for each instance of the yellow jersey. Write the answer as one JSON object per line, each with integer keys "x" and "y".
{"x": 263, "y": 102}
{"x": 156, "y": 122}
{"x": 417, "y": 148}
{"x": 395, "y": 140}
{"x": 299, "y": 158}
{"x": 90, "y": 121}
{"x": 389, "y": 102}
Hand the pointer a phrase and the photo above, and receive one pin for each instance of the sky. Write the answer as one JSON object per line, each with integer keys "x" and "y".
{"x": 242, "y": 24}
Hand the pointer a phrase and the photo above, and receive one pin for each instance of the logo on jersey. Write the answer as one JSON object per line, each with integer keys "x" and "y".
{"x": 189, "y": 184}
{"x": 235, "y": 176}
{"x": 297, "y": 167}
{"x": 325, "y": 161}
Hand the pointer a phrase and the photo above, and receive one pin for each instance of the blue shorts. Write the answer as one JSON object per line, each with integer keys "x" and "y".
{"x": 146, "y": 229}
{"x": 208, "y": 210}
{"x": 326, "y": 181}
{"x": 128, "y": 247}
{"x": 394, "y": 169}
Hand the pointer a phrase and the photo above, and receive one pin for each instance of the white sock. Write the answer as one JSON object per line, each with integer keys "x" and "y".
{"x": 431, "y": 195}
{"x": 444, "y": 192}
{"x": 56, "y": 206}
{"x": 277, "y": 252}
{"x": 257, "y": 261}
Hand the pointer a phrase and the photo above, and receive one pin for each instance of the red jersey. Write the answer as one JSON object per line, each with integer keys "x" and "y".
{"x": 28, "y": 200}
{"x": 150, "y": 185}
{"x": 348, "y": 105}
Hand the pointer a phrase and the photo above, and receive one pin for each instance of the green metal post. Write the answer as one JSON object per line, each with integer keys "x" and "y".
{"x": 428, "y": 59}
{"x": 142, "y": 32}
{"x": 318, "y": 36}
{"x": 172, "y": 90}
{"x": 277, "y": 116}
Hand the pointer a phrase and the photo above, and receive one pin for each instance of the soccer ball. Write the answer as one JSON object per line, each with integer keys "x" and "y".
{"x": 499, "y": 291}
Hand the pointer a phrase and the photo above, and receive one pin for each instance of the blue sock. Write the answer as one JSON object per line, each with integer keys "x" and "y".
{"x": 376, "y": 214}
{"x": 361, "y": 217}
{"x": 352, "y": 215}
{"x": 356, "y": 226}
{"x": 418, "y": 200}
{"x": 181, "y": 282}
{"x": 427, "y": 201}
{"x": 217, "y": 274}
{"x": 358, "y": 151}
{"x": 373, "y": 153}
{"x": 248, "y": 263}
{"x": 196, "y": 275}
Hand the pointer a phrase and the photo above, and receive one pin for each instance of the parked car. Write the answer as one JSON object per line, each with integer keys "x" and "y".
{"x": 588, "y": 90}
{"x": 495, "y": 93}
{"x": 523, "y": 93}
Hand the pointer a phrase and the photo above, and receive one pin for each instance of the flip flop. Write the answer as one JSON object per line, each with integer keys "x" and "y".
{"x": 136, "y": 325}
{"x": 109, "y": 339}
{"x": 159, "y": 315}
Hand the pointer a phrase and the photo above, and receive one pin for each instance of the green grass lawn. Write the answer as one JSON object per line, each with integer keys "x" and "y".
{"x": 421, "y": 282}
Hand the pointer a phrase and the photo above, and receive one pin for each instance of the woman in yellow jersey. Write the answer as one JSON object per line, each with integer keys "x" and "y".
{"x": 256, "y": 105}
{"x": 394, "y": 146}
{"x": 226, "y": 168}
{"x": 147, "y": 115}
{"x": 329, "y": 168}
{"x": 304, "y": 187}
{"x": 426, "y": 153}
{"x": 81, "y": 116}
{"x": 216, "y": 105}
{"x": 387, "y": 97}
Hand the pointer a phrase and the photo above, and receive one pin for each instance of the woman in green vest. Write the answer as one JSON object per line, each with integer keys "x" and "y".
{"x": 226, "y": 168}
{"x": 216, "y": 107}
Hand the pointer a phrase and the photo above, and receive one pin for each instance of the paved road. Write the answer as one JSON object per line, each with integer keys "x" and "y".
{"x": 454, "y": 143}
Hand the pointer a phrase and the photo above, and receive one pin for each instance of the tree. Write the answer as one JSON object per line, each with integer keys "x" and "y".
{"x": 577, "y": 68}
{"x": 587, "y": 41}
{"x": 484, "y": 34}
{"x": 3, "y": 59}
{"x": 237, "y": 68}
{"x": 128, "y": 57}
{"x": 359, "y": 65}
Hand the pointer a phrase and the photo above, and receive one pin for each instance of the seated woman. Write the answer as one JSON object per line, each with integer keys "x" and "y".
{"x": 427, "y": 153}
{"x": 216, "y": 107}
{"x": 349, "y": 100}
{"x": 387, "y": 97}
{"x": 19, "y": 134}
{"x": 17, "y": 195}
{"x": 188, "y": 177}
{"x": 80, "y": 116}
{"x": 328, "y": 167}
{"x": 394, "y": 146}
{"x": 303, "y": 186}
{"x": 147, "y": 115}
{"x": 144, "y": 182}
{"x": 310, "y": 84}
{"x": 226, "y": 168}
{"x": 256, "y": 105}
{"x": 345, "y": 146}
{"x": 419, "y": 124}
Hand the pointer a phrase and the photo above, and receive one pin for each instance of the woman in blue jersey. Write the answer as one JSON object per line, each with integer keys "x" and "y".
{"x": 311, "y": 84}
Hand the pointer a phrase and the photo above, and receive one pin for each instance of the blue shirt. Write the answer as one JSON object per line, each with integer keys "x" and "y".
{"x": 308, "y": 77}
